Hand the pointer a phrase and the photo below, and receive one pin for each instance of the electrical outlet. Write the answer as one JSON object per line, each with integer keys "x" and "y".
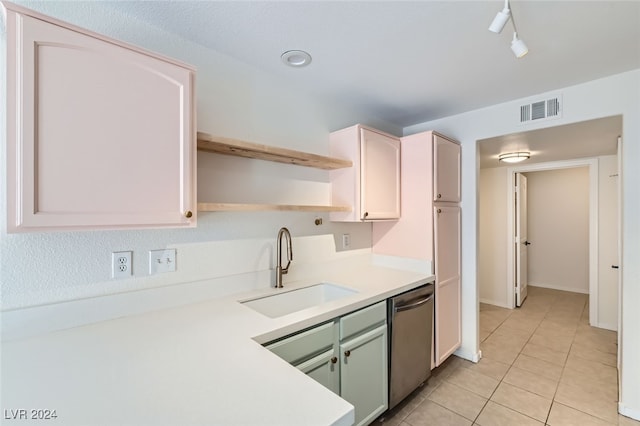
{"x": 162, "y": 261}
{"x": 121, "y": 265}
{"x": 346, "y": 241}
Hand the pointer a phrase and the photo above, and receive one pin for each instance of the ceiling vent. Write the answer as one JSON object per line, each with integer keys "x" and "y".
{"x": 541, "y": 110}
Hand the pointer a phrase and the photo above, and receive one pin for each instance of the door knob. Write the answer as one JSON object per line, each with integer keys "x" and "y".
{"x": 527, "y": 243}
{"x": 347, "y": 353}
{"x": 188, "y": 214}
{"x": 334, "y": 360}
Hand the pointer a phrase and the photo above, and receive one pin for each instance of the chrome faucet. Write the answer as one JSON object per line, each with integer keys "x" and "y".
{"x": 280, "y": 271}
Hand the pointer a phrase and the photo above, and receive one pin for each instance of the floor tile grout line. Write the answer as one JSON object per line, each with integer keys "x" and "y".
{"x": 563, "y": 369}
{"x": 521, "y": 353}
{"x": 564, "y": 365}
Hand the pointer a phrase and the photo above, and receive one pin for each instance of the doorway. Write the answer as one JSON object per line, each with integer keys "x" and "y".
{"x": 559, "y": 248}
{"x": 584, "y": 144}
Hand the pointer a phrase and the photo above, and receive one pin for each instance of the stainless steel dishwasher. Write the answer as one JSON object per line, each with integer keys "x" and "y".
{"x": 410, "y": 324}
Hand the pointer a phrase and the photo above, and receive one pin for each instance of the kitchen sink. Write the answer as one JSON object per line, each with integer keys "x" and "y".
{"x": 287, "y": 302}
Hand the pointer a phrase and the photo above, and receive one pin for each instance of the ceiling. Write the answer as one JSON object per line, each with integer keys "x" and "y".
{"x": 408, "y": 62}
{"x": 578, "y": 140}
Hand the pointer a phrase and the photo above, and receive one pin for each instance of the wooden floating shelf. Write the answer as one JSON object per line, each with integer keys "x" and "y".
{"x": 234, "y": 207}
{"x": 238, "y": 148}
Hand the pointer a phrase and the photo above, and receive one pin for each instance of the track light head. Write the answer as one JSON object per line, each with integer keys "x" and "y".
{"x": 518, "y": 47}
{"x": 500, "y": 20}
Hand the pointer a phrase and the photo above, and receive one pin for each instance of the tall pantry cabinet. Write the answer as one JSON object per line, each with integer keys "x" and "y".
{"x": 429, "y": 228}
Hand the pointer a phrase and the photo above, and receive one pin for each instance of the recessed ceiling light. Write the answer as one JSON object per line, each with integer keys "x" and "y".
{"x": 296, "y": 58}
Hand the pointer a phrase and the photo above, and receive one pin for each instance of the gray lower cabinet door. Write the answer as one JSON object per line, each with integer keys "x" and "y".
{"x": 324, "y": 369}
{"x": 363, "y": 364}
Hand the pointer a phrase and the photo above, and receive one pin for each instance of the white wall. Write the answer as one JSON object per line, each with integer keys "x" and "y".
{"x": 619, "y": 94}
{"x": 234, "y": 100}
{"x": 558, "y": 229}
{"x": 492, "y": 252}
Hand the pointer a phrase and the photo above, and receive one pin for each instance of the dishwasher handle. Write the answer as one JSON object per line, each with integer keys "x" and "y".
{"x": 412, "y": 305}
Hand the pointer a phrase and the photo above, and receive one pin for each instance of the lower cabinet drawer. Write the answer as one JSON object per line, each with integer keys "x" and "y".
{"x": 363, "y": 320}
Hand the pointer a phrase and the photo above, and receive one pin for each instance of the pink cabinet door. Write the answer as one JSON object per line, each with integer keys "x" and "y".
{"x": 446, "y": 170}
{"x": 447, "y": 268}
{"x": 100, "y": 136}
{"x": 380, "y": 176}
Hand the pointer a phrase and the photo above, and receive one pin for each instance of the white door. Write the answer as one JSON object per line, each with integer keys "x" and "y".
{"x": 521, "y": 242}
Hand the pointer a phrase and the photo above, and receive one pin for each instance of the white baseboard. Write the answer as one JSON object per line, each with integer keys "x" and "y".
{"x": 473, "y": 356}
{"x": 606, "y": 326}
{"x": 501, "y": 304}
{"x": 557, "y": 287}
{"x": 628, "y": 412}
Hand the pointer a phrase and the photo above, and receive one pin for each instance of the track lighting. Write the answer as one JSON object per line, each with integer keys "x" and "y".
{"x": 497, "y": 25}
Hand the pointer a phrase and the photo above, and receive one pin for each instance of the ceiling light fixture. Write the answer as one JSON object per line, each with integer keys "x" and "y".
{"x": 296, "y": 58}
{"x": 514, "y": 157}
{"x": 497, "y": 25}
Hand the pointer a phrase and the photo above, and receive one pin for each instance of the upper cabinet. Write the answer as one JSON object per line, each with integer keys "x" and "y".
{"x": 446, "y": 169}
{"x": 372, "y": 185}
{"x": 100, "y": 134}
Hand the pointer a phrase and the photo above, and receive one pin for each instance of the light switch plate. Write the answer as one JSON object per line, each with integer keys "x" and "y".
{"x": 162, "y": 261}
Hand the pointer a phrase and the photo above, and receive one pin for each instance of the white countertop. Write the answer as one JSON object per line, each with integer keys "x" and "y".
{"x": 200, "y": 364}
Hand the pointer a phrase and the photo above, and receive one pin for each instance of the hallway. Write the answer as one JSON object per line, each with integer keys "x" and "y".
{"x": 541, "y": 364}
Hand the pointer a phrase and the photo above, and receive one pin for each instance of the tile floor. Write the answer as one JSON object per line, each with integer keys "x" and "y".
{"x": 542, "y": 364}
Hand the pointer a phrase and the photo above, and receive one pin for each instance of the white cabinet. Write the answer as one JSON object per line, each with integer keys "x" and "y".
{"x": 352, "y": 362}
{"x": 100, "y": 135}
{"x": 446, "y": 170}
{"x": 430, "y": 184}
{"x": 372, "y": 185}
{"x": 447, "y": 334}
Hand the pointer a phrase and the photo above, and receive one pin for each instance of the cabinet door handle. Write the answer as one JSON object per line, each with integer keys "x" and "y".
{"x": 334, "y": 360}
{"x": 615, "y": 266}
{"x": 347, "y": 353}
{"x": 366, "y": 214}
{"x": 188, "y": 214}
{"x": 439, "y": 211}
{"x": 439, "y": 196}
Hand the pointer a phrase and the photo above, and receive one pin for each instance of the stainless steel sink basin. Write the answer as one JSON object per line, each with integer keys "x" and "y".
{"x": 288, "y": 302}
